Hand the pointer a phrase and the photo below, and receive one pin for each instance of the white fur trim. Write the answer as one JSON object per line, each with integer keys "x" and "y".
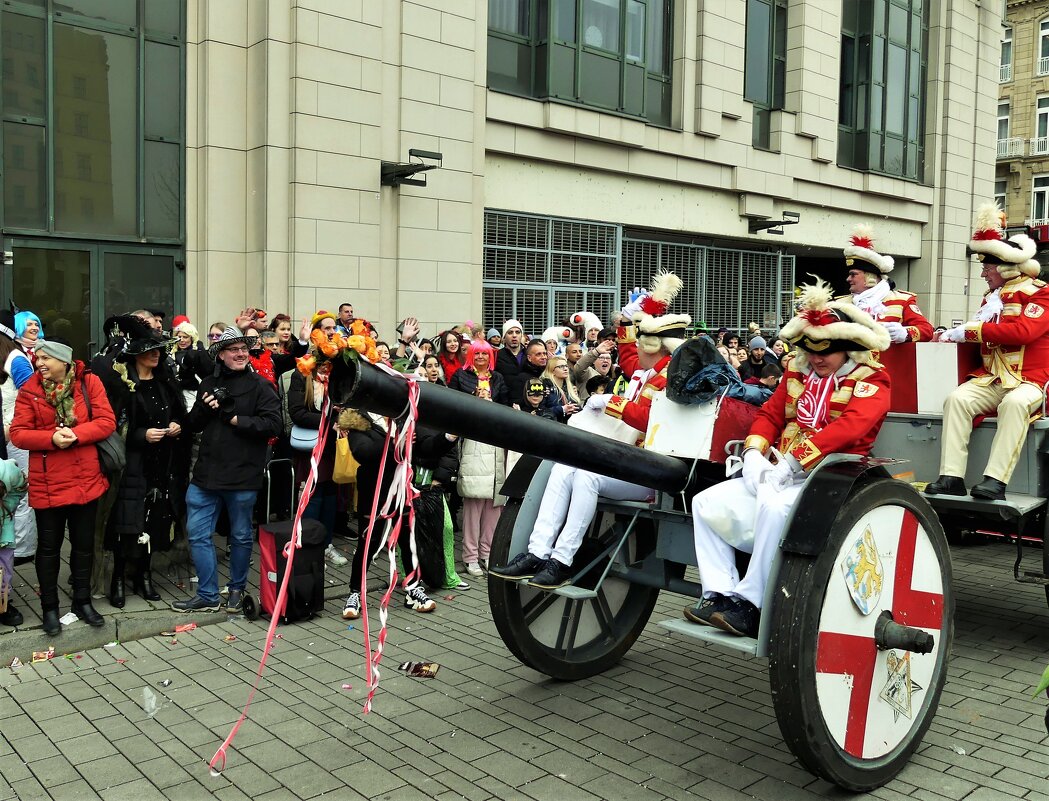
{"x": 883, "y": 264}
{"x": 586, "y": 319}
{"x": 1004, "y": 252}
{"x": 558, "y": 332}
{"x": 861, "y": 328}
{"x": 647, "y": 324}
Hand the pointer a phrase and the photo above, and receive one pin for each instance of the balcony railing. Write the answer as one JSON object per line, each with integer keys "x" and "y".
{"x": 1040, "y": 146}
{"x": 1005, "y": 73}
{"x": 1011, "y": 148}
{"x": 1043, "y": 66}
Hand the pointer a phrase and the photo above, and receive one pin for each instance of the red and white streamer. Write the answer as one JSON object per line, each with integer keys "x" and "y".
{"x": 218, "y": 761}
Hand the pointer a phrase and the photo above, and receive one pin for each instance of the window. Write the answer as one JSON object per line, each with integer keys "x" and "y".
{"x": 1040, "y": 144}
{"x": 1040, "y": 200}
{"x": 1005, "y": 61}
{"x": 882, "y": 92}
{"x": 1043, "y": 48}
{"x": 609, "y": 54}
{"x": 1000, "y": 186}
{"x": 101, "y": 124}
{"x": 1003, "y": 121}
{"x": 766, "y": 63}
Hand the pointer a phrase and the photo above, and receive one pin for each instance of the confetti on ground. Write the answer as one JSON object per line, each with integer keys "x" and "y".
{"x": 121, "y": 661}
{"x": 449, "y": 597}
{"x": 230, "y": 638}
{"x": 347, "y": 686}
{"x": 173, "y": 641}
{"x": 349, "y": 627}
{"x": 280, "y": 636}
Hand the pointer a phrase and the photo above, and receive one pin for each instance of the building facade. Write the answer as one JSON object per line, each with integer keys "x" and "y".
{"x": 202, "y": 156}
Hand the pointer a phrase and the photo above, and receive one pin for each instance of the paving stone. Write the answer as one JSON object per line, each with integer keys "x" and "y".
{"x": 108, "y": 772}
{"x": 368, "y": 779}
{"x": 307, "y": 779}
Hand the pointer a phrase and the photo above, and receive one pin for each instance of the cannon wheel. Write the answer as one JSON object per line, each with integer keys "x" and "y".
{"x": 851, "y": 713}
{"x": 570, "y": 638}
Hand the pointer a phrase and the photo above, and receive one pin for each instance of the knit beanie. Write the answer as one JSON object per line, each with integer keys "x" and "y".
{"x": 56, "y": 350}
{"x": 512, "y": 324}
{"x": 758, "y": 342}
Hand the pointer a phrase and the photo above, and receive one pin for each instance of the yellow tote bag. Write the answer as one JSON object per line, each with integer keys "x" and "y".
{"x": 345, "y": 470}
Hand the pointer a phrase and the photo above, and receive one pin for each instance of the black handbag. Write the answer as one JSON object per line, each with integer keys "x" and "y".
{"x": 112, "y": 451}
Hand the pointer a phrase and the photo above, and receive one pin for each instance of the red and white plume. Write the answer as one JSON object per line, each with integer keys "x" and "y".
{"x": 861, "y": 246}
{"x": 665, "y": 287}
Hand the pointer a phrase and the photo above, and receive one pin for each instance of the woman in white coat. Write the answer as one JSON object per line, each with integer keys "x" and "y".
{"x": 482, "y": 469}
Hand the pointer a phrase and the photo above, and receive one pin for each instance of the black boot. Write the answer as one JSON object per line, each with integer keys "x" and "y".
{"x": 946, "y": 485}
{"x": 990, "y": 489}
{"x": 51, "y": 624}
{"x": 86, "y": 612}
{"x": 117, "y": 588}
{"x": 143, "y": 578}
{"x": 12, "y": 617}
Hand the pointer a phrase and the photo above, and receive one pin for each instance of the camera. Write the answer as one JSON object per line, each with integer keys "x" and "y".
{"x": 227, "y": 404}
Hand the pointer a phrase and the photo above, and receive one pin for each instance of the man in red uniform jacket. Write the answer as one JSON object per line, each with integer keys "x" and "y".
{"x": 1011, "y": 326}
{"x": 570, "y": 499}
{"x": 833, "y": 398}
{"x": 870, "y": 290}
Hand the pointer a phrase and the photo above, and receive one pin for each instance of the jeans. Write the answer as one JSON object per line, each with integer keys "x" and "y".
{"x": 202, "y": 512}
{"x": 323, "y": 506}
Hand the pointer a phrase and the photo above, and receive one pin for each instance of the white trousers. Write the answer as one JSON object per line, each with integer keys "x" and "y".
{"x": 717, "y": 559}
{"x": 568, "y": 506}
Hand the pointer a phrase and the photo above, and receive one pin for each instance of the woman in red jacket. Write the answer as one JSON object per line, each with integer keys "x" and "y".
{"x": 52, "y": 422}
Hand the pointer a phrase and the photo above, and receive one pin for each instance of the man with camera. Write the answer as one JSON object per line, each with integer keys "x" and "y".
{"x": 238, "y": 411}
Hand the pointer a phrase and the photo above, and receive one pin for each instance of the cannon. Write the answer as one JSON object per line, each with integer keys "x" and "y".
{"x": 857, "y": 620}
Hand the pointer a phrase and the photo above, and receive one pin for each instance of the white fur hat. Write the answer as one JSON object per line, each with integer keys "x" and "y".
{"x": 654, "y": 327}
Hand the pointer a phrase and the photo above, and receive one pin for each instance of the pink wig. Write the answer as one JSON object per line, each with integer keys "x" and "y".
{"x": 480, "y": 346}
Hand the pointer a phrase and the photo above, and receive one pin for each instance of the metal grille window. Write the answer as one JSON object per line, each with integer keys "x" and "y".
{"x": 723, "y": 287}
{"x": 540, "y": 270}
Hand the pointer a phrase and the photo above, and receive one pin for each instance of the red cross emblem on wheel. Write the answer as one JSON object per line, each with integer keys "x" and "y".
{"x": 870, "y": 699}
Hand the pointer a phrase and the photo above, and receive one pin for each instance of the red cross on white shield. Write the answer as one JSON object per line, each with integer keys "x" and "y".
{"x": 850, "y": 671}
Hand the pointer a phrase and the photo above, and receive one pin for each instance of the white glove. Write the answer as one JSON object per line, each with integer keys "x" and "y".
{"x": 784, "y": 473}
{"x": 755, "y": 468}
{"x": 953, "y": 335}
{"x": 598, "y": 402}
{"x": 897, "y": 333}
{"x": 634, "y": 306}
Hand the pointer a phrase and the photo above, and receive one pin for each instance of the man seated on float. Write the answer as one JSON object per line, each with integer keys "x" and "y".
{"x": 870, "y": 290}
{"x": 1011, "y": 326}
{"x": 833, "y": 399}
{"x": 570, "y": 500}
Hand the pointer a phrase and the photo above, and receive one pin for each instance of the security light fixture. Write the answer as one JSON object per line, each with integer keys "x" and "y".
{"x": 774, "y": 226}
{"x": 419, "y": 161}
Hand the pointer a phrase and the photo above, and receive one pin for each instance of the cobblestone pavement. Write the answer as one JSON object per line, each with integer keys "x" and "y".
{"x": 675, "y": 719}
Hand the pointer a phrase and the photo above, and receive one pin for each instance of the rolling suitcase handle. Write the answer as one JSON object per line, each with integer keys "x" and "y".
{"x": 269, "y": 486}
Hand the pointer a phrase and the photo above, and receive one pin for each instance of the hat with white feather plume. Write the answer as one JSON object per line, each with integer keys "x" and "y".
{"x": 1013, "y": 256}
{"x": 861, "y": 248}
{"x": 824, "y": 326}
{"x": 655, "y": 328}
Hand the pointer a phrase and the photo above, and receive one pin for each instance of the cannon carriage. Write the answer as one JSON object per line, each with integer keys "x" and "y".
{"x": 857, "y": 621}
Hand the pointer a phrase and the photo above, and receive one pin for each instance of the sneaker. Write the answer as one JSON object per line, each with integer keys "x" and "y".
{"x": 352, "y": 609}
{"x": 462, "y": 585}
{"x": 334, "y": 558}
{"x": 474, "y": 569}
{"x": 522, "y": 566}
{"x": 484, "y": 563}
{"x": 417, "y": 600}
{"x": 553, "y": 575}
{"x": 741, "y": 618}
{"x": 196, "y": 604}
{"x": 235, "y": 602}
{"x": 702, "y": 611}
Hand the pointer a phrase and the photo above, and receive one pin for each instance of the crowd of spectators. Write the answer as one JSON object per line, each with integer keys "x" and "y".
{"x": 202, "y": 417}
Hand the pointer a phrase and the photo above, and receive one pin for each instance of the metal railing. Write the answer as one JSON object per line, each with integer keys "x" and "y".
{"x": 1005, "y": 73}
{"x": 1010, "y": 148}
{"x": 1043, "y": 66}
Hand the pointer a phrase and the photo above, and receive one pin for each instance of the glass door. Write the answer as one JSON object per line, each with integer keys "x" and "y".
{"x": 73, "y": 287}
{"x": 54, "y": 282}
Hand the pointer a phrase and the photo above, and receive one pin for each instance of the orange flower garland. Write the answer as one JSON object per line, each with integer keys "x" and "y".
{"x": 323, "y": 349}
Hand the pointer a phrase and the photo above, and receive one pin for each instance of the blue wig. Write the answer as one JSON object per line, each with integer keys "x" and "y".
{"x": 22, "y": 318}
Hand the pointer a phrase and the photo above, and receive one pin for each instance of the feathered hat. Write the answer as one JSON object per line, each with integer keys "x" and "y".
{"x": 655, "y": 328}
{"x": 861, "y": 246}
{"x": 1013, "y": 256}
{"x": 824, "y": 326}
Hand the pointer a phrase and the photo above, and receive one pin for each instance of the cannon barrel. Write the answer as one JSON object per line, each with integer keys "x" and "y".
{"x": 360, "y": 385}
